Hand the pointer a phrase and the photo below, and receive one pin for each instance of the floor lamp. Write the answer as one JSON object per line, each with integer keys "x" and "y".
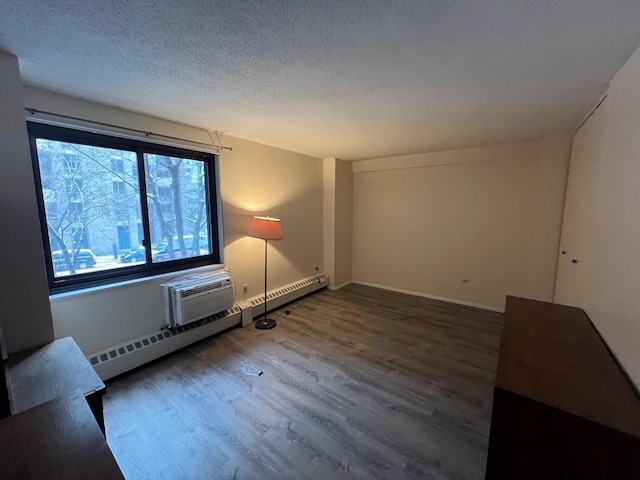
{"x": 266, "y": 228}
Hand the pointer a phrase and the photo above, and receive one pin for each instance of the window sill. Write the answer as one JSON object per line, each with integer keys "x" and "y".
{"x": 128, "y": 283}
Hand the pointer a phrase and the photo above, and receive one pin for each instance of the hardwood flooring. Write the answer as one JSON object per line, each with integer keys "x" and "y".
{"x": 357, "y": 383}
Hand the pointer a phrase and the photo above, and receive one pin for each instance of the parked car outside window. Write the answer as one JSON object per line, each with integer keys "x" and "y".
{"x": 84, "y": 258}
{"x": 163, "y": 253}
{"x": 138, "y": 255}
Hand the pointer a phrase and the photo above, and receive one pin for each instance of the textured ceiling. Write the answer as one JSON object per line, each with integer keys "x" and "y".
{"x": 351, "y": 79}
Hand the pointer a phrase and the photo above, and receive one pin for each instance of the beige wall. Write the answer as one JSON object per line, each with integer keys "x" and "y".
{"x": 338, "y": 221}
{"x": 24, "y": 307}
{"x": 344, "y": 223}
{"x": 329, "y": 217}
{"x": 261, "y": 180}
{"x": 601, "y": 227}
{"x": 255, "y": 179}
{"x": 468, "y": 225}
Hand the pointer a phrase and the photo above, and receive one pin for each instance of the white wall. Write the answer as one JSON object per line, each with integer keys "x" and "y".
{"x": 255, "y": 179}
{"x": 601, "y": 227}
{"x": 338, "y": 220}
{"x": 490, "y": 215}
{"x": 24, "y": 307}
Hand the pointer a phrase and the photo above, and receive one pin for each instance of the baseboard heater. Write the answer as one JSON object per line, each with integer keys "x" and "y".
{"x": 133, "y": 353}
{"x": 283, "y": 295}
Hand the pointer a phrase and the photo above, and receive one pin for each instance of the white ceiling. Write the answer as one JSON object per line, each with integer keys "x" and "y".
{"x": 352, "y": 79}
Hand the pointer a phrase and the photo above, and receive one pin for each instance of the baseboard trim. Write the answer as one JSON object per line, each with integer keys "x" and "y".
{"x": 338, "y": 287}
{"x": 433, "y": 297}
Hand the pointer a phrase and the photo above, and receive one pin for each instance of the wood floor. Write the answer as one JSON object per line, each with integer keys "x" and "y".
{"x": 358, "y": 383}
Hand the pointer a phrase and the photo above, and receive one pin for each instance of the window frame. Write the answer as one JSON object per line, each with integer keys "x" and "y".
{"x": 69, "y": 134}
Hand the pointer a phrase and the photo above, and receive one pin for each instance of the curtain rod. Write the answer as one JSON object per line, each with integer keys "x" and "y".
{"x": 35, "y": 111}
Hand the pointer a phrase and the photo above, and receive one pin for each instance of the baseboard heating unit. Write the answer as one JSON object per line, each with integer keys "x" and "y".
{"x": 280, "y": 296}
{"x": 133, "y": 353}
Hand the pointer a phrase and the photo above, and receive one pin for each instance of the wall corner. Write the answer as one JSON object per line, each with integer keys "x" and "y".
{"x": 25, "y": 311}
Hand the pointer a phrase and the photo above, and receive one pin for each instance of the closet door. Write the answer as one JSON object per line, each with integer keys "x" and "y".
{"x": 584, "y": 234}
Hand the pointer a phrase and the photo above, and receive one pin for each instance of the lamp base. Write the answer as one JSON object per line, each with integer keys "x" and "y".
{"x": 265, "y": 323}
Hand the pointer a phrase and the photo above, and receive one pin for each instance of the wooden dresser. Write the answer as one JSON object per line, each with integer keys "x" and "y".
{"x": 51, "y": 371}
{"x": 58, "y": 439}
{"x": 562, "y": 408}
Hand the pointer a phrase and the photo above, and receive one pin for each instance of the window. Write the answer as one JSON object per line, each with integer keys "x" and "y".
{"x": 122, "y": 213}
{"x": 75, "y": 210}
{"x": 89, "y": 184}
{"x": 118, "y": 189}
{"x": 117, "y": 164}
{"x": 164, "y": 193}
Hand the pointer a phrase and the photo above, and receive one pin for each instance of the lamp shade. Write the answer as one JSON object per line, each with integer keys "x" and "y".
{"x": 266, "y": 228}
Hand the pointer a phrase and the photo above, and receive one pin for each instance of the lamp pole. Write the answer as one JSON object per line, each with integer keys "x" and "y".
{"x": 265, "y": 280}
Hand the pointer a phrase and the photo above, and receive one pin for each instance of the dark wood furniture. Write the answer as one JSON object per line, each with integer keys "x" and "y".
{"x": 563, "y": 408}
{"x": 54, "y": 370}
{"x": 58, "y": 439}
{"x": 5, "y": 409}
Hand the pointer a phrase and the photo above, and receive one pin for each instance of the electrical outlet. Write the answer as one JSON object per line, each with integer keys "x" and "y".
{"x": 245, "y": 288}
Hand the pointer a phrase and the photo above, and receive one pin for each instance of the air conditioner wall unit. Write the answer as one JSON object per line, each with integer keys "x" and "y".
{"x": 191, "y": 299}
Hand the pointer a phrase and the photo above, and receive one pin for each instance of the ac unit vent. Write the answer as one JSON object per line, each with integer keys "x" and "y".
{"x": 202, "y": 288}
{"x": 189, "y": 300}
